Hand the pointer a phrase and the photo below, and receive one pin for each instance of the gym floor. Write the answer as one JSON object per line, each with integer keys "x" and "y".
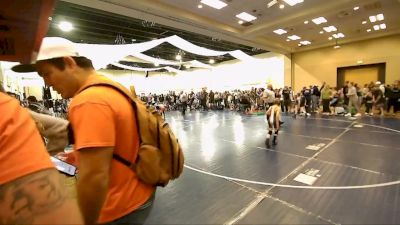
{"x": 316, "y": 151}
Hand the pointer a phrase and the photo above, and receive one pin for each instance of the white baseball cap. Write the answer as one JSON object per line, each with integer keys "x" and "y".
{"x": 52, "y": 47}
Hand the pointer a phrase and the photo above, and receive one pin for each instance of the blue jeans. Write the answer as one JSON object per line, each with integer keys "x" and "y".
{"x": 138, "y": 216}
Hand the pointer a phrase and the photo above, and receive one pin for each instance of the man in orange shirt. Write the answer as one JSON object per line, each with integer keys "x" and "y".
{"x": 31, "y": 189}
{"x": 104, "y": 124}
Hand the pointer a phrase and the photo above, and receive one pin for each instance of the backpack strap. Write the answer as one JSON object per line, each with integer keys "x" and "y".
{"x": 125, "y": 93}
{"x": 124, "y": 161}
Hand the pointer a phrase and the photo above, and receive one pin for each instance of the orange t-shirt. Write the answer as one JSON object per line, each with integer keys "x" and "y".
{"x": 102, "y": 117}
{"x": 22, "y": 150}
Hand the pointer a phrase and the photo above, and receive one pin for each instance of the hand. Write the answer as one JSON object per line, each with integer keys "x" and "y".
{"x": 68, "y": 157}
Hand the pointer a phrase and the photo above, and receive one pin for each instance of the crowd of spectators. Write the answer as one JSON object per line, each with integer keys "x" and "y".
{"x": 350, "y": 100}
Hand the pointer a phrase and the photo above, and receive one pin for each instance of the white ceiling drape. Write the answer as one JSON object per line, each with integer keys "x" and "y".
{"x": 102, "y": 55}
{"x": 170, "y": 69}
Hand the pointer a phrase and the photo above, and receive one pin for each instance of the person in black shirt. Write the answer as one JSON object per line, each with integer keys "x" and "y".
{"x": 245, "y": 103}
{"x": 368, "y": 102}
{"x": 378, "y": 99}
{"x": 203, "y": 99}
{"x": 306, "y": 100}
{"x": 287, "y": 102}
{"x": 315, "y": 96}
{"x": 393, "y": 94}
{"x": 211, "y": 99}
{"x": 161, "y": 99}
{"x": 345, "y": 90}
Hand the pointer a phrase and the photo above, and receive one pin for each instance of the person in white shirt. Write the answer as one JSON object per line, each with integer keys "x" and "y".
{"x": 353, "y": 99}
{"x": 268, "y": 96}
{"x": 183, "y": 98}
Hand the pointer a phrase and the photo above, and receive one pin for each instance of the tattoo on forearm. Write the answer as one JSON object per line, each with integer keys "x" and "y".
{"x": 33, "y": 195}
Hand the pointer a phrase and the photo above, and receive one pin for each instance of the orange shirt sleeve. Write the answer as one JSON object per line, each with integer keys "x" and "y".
{"x": 93, "y": 124}
{"x": 22, "y": 150}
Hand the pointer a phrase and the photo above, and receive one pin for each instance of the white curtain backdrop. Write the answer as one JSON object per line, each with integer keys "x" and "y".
{"x": 102, "y": 55}
{"x": 193, "y": 63}
{"x": 170, "y": 69}
{"x": 236, "y": 74}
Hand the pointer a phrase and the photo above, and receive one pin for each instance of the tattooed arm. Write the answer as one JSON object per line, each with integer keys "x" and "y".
{"x": 37, "y": 198}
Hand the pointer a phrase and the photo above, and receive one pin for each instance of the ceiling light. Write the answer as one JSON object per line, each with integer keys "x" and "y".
{"x": 293, "y": 2}
{"x": 330, "y": 29}
{"x": 321, "y": 32}
{"x": 376, "y": 27}
{"x": 356, "y": 8}
{"x": 294, "y": 37}
{"x": 382, "y": 26}
{"x": 178, "y": 57}
{"x": 240, "y": 22}
{"x": 330, "y": 38}
{"x": 212, "y": 61}
{"x": 338, "y": 35}
{"x": 319, "y": 20}
{"x": 364, "y": 22}
{"x": 359, "y": 61}
{"x": 200, "y": 6}
{"x": 272, "y": 3}
{"x": 65, "y": 26}
{"x": 280, "y": 31}
{"x": 287, "y": 40}
{"x": 306, "y": 22}
{"x": 246, "y": 17}
{"x": 217, "y": 4}
{"x": 378, "y": 17}
{"x": 369, "y": 30}
{"x": 299, "y": 45}
{"x": 281, "y": 6}
{"x": 305, "y": 42}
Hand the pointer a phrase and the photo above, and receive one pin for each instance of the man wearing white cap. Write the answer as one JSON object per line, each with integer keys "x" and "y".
{"x": 104, "y": 125}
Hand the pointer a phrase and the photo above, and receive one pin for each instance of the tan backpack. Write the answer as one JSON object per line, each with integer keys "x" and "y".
{"x": 160, "y": 157}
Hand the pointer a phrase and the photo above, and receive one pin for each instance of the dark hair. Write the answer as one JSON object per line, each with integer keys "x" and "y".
{"x": 82, "y": 62}
{"x": 31, "y": 99}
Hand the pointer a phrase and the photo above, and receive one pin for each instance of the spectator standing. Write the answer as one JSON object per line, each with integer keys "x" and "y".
{"x": 326, "y": 96}
{"x": 104, "y": 125}
{"x": 353, "y": 99}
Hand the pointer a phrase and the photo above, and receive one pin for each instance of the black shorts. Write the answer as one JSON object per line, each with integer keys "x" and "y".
{"x": 302, "y": 102}
{"x": 287, "y": 102}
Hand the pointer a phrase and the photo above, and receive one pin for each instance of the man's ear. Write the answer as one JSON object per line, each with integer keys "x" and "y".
{"x": 69, "y": 62}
